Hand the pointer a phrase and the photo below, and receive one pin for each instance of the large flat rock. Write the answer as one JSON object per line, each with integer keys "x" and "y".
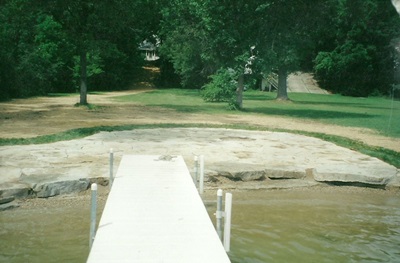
{"x": 56, "y": 168}
{"x": 353, "y": 173}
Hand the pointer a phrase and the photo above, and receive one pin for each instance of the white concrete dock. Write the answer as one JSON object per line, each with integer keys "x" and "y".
{"x": 155, "y": 214}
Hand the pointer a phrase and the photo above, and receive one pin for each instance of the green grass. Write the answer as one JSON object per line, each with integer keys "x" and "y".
{"x": 181, "y": 100}
{"x": 379, "y": 114}
{"x": 60, "y": 94}
{"x": 74, "y": 94}
{"x": 90, "y": 106}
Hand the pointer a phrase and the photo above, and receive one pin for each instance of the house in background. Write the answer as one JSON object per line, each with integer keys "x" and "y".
{"x": 150, "y": 49}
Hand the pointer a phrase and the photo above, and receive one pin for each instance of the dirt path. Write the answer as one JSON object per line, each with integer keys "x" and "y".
{"x": 25, "y": 118}
{"x": 304, "y": 83}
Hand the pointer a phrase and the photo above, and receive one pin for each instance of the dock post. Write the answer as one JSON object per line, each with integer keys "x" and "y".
{"x": 196, "y": 171}
{"x": 201, "y": 187}
{"x": 227, "y": 227}
{"x": 93, "y": 210}
{"x": 219, "y": 213}
{"x": 111, "y": 168}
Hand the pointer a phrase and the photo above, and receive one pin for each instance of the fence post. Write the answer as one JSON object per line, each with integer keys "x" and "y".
{"x": 219, "y": 214}
{"x": 111, "y": 180}
{"x": 93, "y": 215}
{"x": 201, "y": 187}
{"x": 196, "y": 171}
{"x": 227, "y": 227}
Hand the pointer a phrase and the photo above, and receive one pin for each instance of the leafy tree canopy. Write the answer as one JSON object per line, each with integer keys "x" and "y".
{"x": 51, "y": 46}
{"x": 43, "y": 43}
{"x": 357, "y": 59}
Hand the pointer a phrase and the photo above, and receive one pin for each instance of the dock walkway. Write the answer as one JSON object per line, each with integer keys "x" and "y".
{"x": 155, "y": 214}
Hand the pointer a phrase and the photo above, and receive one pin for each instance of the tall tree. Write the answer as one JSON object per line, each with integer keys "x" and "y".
{"x": 357, "y": 61}
{"x": 46, "y": 44}
{"x": 106, "y": 35}
{"x": 201, "y": 37}
{"x": 286, "y": 31}
{"x": 237, "y": 34}
{"x": 80, "y": 19}
{"x": 184, "y": 40}
{"x": 17, "y": 33}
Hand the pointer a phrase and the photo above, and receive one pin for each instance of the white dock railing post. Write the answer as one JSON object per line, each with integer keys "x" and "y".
{"x": 227, "y": 227}
{"x": 201, "y": 183}
{"x": 111, "y": 180}
{"x": 196, "y": 171}
{"x": 93, "y": 210}
{"x": 219, "y": 214}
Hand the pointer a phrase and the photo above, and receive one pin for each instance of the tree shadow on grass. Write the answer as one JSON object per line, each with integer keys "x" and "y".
{"x": 333, "y": 103}
{"x": 309, "y": 113}
{"x": 323, "y": 100}
{"x": 211, "y": 108}
{"x": 350, "y": 104}
{"x": 295, "y": 113}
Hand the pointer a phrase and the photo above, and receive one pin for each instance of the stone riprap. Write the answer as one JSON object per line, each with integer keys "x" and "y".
{"x": 238, "y": 155}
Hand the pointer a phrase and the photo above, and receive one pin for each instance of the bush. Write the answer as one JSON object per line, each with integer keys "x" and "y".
{"x": 346, "y": 70}
{"x": 221, "y": 88}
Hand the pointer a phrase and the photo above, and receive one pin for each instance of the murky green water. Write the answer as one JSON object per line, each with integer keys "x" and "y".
{"x": 317, "y": 225}
{"x": 53, "y": 230}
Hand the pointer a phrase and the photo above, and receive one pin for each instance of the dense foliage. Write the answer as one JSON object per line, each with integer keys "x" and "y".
{"x": 357, "y": 57}
{"x": 64, "y": 46}
{"x": 221, "y": 87}
{"x": 44, "y": 43}
{"x": 345, "y": 42}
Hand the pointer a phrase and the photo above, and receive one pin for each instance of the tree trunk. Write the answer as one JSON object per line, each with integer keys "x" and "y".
{"x": 83, "y": 90}
{"x": 239, "y": 92}
{"x": 282, "y": 84}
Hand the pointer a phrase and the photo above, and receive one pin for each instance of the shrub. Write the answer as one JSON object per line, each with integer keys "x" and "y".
{"x": 221, "y": 88}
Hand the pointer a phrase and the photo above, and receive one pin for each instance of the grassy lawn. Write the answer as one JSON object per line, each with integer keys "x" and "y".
{"x": 379, "y": 114}
{"x": 180, "y": 100}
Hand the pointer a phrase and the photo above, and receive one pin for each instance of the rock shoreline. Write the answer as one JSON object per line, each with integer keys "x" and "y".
{"x": 238, "y": 180}
{"x": 254, "y": 159}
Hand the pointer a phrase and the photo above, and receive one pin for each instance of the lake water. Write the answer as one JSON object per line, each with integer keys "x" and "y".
{"x": 316, "y": 226}
{"x": 333, "y": 224}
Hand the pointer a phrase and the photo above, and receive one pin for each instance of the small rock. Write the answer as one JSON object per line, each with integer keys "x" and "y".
{"x": 395, "y": 182}
{"x": 5, "y": 200}
{"x": 103, "y": 181}
{"x": 285, "y": 173}
{"x": 16, "y": 190}
{"x": 239, "y": 171}
{"x": 45, "y": 190}
{"x": 8, "y": 206}
{"x": 167, "y": 158}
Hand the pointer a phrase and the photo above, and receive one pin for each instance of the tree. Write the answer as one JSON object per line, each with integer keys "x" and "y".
{"x": 184, "y": 41}
{"x": 358, "y": 60}
{"x": 286, "y": 34}
{"x": 78, "y": 18}
{"x": 17, "y": 20}
{"x": 47, "y": 45}
{"x": 201, "y": 37}
{"x": 255, "y": 36}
